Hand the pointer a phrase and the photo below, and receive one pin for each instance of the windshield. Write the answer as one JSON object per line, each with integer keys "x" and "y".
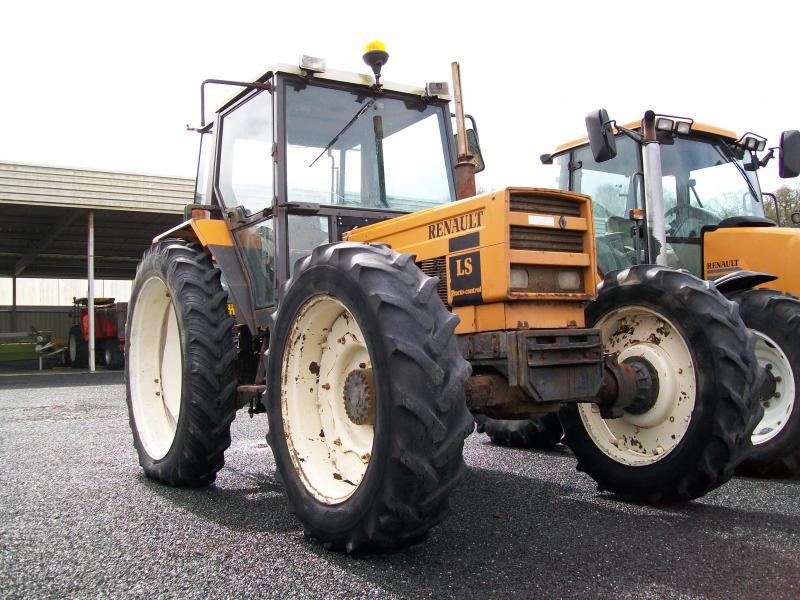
{"x": 706, "y": 181}
{"x": 355, "y": 150}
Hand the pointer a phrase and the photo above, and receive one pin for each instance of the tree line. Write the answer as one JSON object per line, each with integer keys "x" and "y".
{"x": 788, "y": 201}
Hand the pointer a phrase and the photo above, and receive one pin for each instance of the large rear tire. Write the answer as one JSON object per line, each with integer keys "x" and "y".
{"x": 537, "y": 434}
{"x": 697, "y": 429}
{"x": 179, "y": 370}
{"x": 775, "y": 319}
{"x": 366, "y": 403}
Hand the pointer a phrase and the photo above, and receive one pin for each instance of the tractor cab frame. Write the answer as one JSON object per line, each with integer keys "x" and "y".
{"x": 308, "y": 157}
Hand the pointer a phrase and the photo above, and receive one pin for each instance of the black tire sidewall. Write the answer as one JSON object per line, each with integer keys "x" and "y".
{"x": 341, "y": 517}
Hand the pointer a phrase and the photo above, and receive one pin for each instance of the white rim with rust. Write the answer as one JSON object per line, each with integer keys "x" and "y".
{"x": 643, "y": 439}
{"x": 778, "y": 408}
{"x": 155, "y": 368}
{"x": 329, "y": 450}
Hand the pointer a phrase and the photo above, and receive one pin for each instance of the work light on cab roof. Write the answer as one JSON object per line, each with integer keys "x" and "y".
{"x": 375, "y": 55}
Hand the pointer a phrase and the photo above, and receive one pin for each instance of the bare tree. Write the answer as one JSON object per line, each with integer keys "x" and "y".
{"x": 788, "y": 204}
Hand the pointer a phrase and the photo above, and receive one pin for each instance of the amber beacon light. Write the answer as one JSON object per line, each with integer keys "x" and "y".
{"x": 375, "y": 55}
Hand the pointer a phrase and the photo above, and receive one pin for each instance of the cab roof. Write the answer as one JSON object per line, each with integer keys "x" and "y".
{"x": 696, "y": 127}
{"x": 347, "y": 77}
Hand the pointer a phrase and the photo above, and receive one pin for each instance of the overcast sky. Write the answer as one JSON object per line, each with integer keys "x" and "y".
{"x": 111, "y": 85}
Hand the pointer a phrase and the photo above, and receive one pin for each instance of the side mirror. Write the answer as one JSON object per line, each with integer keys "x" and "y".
{"x": 474, "y": 150}
{"x": 796, "y": 218}
{"x": 601, "y": 138}
{"x": 789, "y": 154}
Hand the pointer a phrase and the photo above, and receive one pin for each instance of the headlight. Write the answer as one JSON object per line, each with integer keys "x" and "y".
{"x": 569, "y": 281}
{"x": 519, "y": 278}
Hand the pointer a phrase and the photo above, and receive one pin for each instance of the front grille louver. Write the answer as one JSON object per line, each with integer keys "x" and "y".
{"x": 435, "y": 267}
{"x": 549, "y": 206}
{"x": 549, "y": 240}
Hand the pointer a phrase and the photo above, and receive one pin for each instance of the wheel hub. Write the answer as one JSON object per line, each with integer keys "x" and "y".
{"x": 647, "y": 387}
{"x": 359, "y": 397}
{"x": 655, "y": 423}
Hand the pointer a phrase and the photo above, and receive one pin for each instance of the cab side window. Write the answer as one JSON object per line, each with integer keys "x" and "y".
{"x": 245, "y": 168}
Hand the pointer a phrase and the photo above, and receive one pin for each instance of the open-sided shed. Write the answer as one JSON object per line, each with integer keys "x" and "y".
{"x": 81, "y": 223}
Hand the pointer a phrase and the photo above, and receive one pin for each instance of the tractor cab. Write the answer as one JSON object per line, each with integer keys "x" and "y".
{"x": 703, "y": 179}
{"x": 312, "y": 153}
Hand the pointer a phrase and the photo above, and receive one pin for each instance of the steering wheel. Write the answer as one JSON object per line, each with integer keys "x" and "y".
{"x": 688, "y": 221}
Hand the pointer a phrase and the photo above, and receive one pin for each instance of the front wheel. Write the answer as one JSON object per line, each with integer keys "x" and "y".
{"x": 77, "y": 349}
{"x": 366, "y": 407}
{"x": 688, "y": 434}
{"x": 775, "y": 319}
{"x": 113, "y": 358}
{"x": 180, "y": 365}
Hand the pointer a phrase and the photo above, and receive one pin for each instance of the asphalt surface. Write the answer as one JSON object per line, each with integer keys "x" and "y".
{"x": 79, "y": 519}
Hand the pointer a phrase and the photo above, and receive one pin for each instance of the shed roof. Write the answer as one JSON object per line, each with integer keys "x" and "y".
{"x": 43, "y": 218}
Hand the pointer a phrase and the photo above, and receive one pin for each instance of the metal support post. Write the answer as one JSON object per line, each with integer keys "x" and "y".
{"x": 13, "y": 303}
{"x": 90, "y": 293}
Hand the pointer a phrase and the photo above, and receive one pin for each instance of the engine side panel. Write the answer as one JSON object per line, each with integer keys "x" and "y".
{"x": 472, "y": 245}
{"x": 774, "y": 250}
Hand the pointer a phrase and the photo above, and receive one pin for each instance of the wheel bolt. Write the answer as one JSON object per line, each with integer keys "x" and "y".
{"x": 777, "y": 395}
{"x": 778, "y": 379}
{"x": 768, "y": 367}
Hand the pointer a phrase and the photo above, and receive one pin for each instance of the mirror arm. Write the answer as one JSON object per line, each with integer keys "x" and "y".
{"x": 636, "y": 137}
{"x": 762, "y": 162}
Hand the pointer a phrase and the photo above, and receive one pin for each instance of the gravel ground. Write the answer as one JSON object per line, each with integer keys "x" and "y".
{"x": 78, "y": 519}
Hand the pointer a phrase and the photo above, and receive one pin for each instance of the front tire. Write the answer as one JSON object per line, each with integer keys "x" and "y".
{"x": 698, "y": 427}
{"x": 77, "y": 349}
{"x": 366, "y": 406}
{"x": 775, "y": 319}
{"x": 113, "y": 359}
{"x": 179, "y": 372}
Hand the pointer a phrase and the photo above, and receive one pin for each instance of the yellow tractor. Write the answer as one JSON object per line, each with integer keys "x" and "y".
{"x": 669, "y": 190}
{"x": 380, "y": 303}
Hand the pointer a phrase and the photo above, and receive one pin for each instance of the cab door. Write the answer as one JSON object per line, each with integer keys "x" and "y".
{"x": 245, "y": 184}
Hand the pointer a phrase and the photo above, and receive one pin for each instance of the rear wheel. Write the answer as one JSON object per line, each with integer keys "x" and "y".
{"x": 77, "y": 349}
{"x": 179, "y": 368}
{"x": 686, "y": 438}
{"x": 366, "y": 410}
{"x": 775, "y": 319}
{"x": 540, "y": 434}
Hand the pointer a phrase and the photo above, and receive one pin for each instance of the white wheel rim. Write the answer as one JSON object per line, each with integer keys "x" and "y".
{"x": 778, "y": 408}
{"x": 639, "y": 440}
{"x": 329, "y": 452}
{"x": 155, "y": 368}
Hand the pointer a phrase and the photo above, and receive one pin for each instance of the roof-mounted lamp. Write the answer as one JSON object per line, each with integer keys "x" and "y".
{"x": 375, "y": 55}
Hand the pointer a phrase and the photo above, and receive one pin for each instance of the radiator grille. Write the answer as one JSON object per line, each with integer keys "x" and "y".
{"x": 551, "y": 206}
{"x": 549, "y": 240}
{"x": 435, "y": 267}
